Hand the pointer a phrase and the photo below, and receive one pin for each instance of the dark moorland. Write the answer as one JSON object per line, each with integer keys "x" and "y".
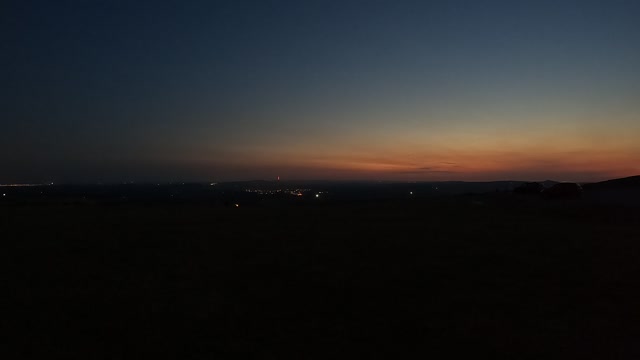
{"x": 491, "y": 273}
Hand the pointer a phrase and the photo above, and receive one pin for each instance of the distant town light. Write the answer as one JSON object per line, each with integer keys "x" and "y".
{"x": 410, "y": 192}
{"x": 317, "y": 195}
{"x": 237, "y": 205}
{"x": 20, "y": 185}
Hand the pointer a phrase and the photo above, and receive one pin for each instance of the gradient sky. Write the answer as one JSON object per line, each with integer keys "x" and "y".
{"x": 98, "y": 90}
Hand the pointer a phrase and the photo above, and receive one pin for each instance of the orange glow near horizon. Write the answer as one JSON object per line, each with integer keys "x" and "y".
{"x": 562, "y": 154}
{"x": 480, "y": 166}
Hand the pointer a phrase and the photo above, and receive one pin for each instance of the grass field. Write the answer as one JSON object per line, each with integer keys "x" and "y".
{"x": 478, "y": 275}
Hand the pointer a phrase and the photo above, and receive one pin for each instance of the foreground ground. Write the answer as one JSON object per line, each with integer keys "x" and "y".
{"x": 503, "y": 276}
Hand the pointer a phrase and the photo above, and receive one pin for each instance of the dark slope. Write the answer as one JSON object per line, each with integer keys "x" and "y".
{"x": 622, "y": 183}
{"x": 624, "y": 191}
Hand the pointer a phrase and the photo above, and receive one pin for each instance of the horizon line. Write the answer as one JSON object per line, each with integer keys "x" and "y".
{"x": 215, "y": 183}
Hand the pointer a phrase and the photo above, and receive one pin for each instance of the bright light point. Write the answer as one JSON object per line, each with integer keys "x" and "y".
{"x": 410, "y": 192}
{"x": 237, "y": 205}
{"x": 317, "y": 195}
{"x": 4, "y": 194}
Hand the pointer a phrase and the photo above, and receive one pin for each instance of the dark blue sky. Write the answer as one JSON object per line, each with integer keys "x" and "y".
{"x": 409, "y": 90}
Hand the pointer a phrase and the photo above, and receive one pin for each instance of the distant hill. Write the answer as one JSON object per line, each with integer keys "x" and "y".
{"x": 632, "y": 182}
{"x": 548, "y": 183}
{"x": 625, "y": 191}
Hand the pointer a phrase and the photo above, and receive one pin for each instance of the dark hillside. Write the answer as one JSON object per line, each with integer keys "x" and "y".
{"x": 483, "y": 275}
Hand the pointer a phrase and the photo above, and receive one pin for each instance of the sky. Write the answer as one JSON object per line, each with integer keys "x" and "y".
{"x": 112, "y": 91}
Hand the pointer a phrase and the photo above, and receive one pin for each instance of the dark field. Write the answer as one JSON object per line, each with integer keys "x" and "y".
{"x": 495, "y": 275}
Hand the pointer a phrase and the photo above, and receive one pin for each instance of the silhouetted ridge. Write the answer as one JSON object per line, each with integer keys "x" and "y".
{"x": 622, "y": 183}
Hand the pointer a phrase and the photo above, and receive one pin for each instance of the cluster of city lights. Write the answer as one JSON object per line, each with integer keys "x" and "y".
{"x": 23, "y": 185}
{"x": 294, "y": 192}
